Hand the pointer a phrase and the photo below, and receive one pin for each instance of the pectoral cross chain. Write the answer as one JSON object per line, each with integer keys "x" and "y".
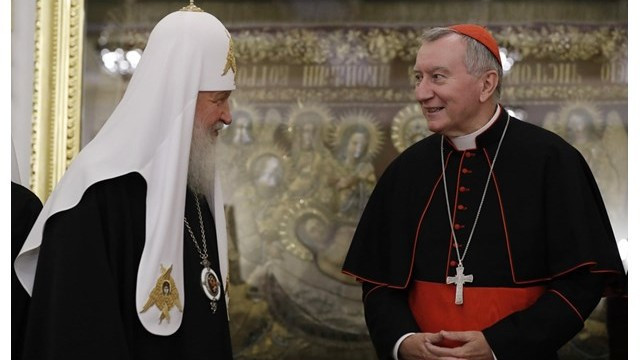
{"x": 459, "y": 280}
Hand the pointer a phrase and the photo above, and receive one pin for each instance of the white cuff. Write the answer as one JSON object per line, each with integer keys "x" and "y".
{"x": 494, "y": 355}
{"x": 394, "y": 353}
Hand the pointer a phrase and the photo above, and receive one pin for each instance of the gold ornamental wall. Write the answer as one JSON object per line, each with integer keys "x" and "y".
{"x": 321, "y": 111}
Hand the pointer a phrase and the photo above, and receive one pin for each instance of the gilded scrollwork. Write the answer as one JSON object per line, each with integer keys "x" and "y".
{"x": 561, "y": 93}
{"x": 356, "y": 45}
{"x": 330, "y": 94}
{"x": 384, "y": 45}
{"x": 514, "y": 94}
{"x": 320, "y": 46}
{"x": 564, "y": 42}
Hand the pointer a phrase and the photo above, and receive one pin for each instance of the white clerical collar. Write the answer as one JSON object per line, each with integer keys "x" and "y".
{"x": 468, "y": 142}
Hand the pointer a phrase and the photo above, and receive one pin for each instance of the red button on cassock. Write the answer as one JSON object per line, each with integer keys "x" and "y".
{"x": 453, "y": 263}
{"x": 458, "y": 226}
{"x": 462, "y": 207}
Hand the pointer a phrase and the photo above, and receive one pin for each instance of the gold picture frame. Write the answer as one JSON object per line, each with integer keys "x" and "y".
{"x": 57, "y": 90}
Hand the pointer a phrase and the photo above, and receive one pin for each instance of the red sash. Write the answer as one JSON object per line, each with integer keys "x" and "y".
{"x": 433, "y": 306}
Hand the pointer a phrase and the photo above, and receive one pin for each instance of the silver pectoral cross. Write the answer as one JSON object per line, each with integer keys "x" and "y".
{"x": 459, "y": 280}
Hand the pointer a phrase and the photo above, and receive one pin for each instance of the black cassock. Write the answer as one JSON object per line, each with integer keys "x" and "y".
{"x": 83, "y": 304}
{"x": 25, "y": 207}
{"x": 541, "y": 253}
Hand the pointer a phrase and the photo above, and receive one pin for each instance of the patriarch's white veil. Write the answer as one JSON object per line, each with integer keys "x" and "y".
{"x": 150, "y": 133}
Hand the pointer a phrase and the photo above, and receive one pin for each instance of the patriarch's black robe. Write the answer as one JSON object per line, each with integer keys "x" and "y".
{"x": 83, "y": 304}
{"x": 25, "y": 207}
{"x": 543, "y": 229}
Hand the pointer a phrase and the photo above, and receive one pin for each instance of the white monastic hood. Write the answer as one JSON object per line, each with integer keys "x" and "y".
{"x": 150, "y": 133}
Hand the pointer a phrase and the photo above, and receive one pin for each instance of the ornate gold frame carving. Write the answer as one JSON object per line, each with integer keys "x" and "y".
{"x": 355, "y": 45}
{"x": 57, "y": 90}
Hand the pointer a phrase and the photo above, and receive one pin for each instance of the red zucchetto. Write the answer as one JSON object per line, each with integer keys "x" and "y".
{"x": 480, "y": 34}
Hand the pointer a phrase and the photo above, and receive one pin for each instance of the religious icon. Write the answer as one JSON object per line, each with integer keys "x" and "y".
{"x": 210, "y": 284}
{"x": 267, "y": 173}
{"x": 164, "y": 295}
{"x": 245, "y": 126}
{"x": 313, "y": 230}
{"x": 305, "y": 278}
{"x": 256, "y": 206}
{"x": 603, "y": 144}
{"x": 408, "y": 127}
{"x": 305, "y": 229}
{"x": 583, "y": 125}
{"x": 272, "y": 119}
{"x": 237, "y": 142}
{"x": 357, "y": 139}
{"x": 213, "y": 284}
{"x": 307, "y": 130}
{"x": 242, "y": 132}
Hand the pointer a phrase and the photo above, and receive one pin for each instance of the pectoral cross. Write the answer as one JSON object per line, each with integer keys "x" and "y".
{"x": 459, "y": 280}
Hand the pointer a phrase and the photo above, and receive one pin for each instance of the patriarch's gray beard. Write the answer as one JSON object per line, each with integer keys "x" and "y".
{"x": 202, "y": 160}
